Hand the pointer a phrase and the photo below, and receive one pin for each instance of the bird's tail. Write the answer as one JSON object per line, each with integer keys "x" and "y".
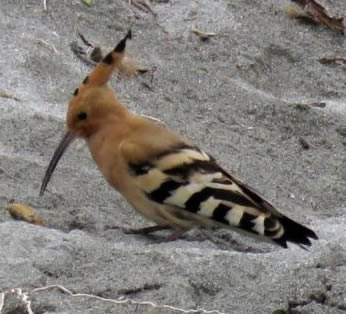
{"x": 294, "y": 232}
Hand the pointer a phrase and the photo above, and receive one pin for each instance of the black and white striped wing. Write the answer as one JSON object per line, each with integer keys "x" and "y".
{"x": 188, "y": 178}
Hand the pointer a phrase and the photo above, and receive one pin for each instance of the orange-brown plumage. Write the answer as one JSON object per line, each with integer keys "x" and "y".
{"x": 161, "y": 174}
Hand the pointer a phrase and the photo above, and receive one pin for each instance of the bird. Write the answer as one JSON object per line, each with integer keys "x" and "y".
{"x": 163, "y": 175}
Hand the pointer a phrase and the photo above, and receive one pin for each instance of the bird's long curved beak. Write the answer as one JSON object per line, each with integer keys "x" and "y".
{"x": 64, "y": 143}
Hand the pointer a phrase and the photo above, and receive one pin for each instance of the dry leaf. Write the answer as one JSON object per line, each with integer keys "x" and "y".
{"x": 142, "y": 5}
{"x": 87, "y": 2}
{"x": 81, "y": 54}
{"x": 23, "y": 212}
{"x": 294, "y": 12}
{"x": 5, "y": 95}
{"x": 96, "y": 54}
{"x": 335, "y": 60}
{"x": 314, "y": 12}
{"x": 304, "y": 143}
{"x": 318, "y": 104}
{"x": 202, "y": 35}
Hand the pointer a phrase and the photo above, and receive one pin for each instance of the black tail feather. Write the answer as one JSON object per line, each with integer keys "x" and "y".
{"x": 295, "y": 233}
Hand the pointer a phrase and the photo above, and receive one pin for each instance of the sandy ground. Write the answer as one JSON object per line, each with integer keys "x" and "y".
{"x": 245, "y": 96}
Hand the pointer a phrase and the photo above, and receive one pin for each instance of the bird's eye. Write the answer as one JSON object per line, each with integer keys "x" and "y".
{"x": 82, "y": 116}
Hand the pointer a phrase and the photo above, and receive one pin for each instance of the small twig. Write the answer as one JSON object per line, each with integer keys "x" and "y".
{"x": 48, "y": 45}
{"x": 318, "y": 104}
{"x": 335, "y": 60}
{"x": 85, "y": 41}
{"x": 158, "y": 121}
{"x": 2, "y": 298}
{"x": 5, "y": 172}
{"x": 23, "y": 298}
{"x": 142, "y": 5}
{"x": 5, "y": 95}
{"x": 81, "y": 54}
{"x": 128, "y": 66}
{"x": 78, "y": 50}
{"x": 45, "y": 5}
{"x": 123, "y": 300}
{"x": 202, "y": 35}
{"x": 96, "y": 53}
{"x": 153, "y": 70}
{"x": 146, "y": 85}
{"x": 162, "y": 27}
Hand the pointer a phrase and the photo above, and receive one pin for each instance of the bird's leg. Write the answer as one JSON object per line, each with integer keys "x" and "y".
{"x": 146, "y": 230}
{"x": 175, "y": 235}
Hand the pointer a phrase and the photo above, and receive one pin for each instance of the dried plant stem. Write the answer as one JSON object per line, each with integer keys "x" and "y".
{"x": 2, "y": 298}
{"x": 123, "y": 300}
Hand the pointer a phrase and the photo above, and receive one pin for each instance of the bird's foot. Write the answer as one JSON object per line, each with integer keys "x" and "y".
{"x": 146, "y": 230}
{"x": 175, "y": 235}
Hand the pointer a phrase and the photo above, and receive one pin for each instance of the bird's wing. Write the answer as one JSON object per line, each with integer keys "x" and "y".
{"x": 188, "y": 178}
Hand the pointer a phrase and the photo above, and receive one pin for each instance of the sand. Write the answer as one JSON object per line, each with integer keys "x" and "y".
{"x": 245, "y": 95}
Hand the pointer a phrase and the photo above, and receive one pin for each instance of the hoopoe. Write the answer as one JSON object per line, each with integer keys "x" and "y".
{"x": 162, "y": 175}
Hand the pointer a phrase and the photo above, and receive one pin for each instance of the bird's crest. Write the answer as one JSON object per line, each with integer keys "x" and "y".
{"x": 100, "y": 75}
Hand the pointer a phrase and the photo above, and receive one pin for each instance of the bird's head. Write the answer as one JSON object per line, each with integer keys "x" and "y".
{"x": 91, "y": 110}
{"x": 92, "y": 105}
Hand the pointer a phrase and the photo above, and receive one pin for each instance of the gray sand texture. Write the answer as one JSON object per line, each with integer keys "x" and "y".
{"x": 246, "y": 96}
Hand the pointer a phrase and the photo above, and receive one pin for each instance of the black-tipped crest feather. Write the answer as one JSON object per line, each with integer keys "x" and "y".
{"x": 120, "y": 47}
